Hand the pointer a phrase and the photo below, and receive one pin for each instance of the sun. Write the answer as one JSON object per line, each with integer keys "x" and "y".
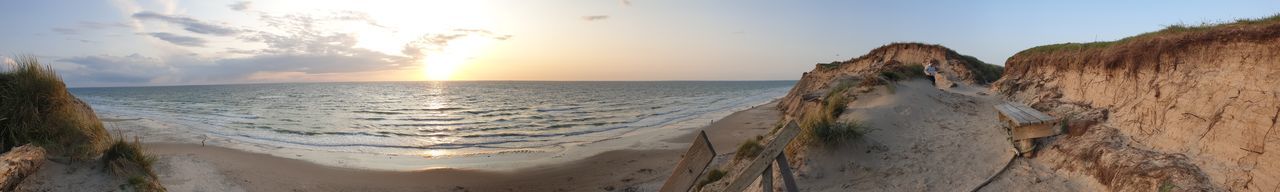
{"x": 442, "y": 65}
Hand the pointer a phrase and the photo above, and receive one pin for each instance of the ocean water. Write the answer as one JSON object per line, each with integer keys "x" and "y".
{"x": 411, "y": 118}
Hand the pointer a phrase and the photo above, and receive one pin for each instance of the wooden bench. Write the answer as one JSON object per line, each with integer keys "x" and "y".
{"x": 1025, "y": 124}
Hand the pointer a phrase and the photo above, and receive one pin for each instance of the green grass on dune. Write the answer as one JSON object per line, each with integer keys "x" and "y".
{"x": 127, "y": 159}
{"x": 821, "y": 125}
{"x": 749, "y": 148}
{"x": 1168, "y": 30}
{"x": 37, "y": 108}
{"x": 712, "y": 176}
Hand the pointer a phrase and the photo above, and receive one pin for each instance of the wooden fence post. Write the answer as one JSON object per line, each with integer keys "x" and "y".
{"x": 695, "y": 162}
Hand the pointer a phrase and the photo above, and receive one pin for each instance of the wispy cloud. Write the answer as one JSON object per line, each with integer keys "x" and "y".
{"x": 417, "y": 49}
{"x": 626, "y": 2}
{"x": 66, "y": 31}
{"x": 189, "y": 24}
{"x": 356, "y": 16}
{"x": 595, "y": 17}
{"x": 293, "y": 45}
{"x": 240, "y": 6}
{"x": 87, "y": 25}
{"x": 179, "y": 39}
{"x": 133, "y": 68}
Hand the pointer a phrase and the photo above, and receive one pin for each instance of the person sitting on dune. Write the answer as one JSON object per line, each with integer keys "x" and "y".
{"x": 930, "y": 71}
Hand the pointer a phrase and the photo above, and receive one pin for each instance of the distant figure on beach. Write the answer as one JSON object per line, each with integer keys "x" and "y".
{"x": 930, "y": 71}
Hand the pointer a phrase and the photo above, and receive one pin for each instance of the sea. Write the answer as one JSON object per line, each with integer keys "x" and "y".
{"x": 425, "y": 120}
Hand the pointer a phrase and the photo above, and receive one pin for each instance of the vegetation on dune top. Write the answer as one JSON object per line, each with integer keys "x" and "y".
{"x": 749, "y": 148}
{"x": 1175, "y": 29}
{"x": 36, "y": 108}
{"x": 821, "y": 125}
{"x": 126, "y": 159}
{"x": 983, "y": 72}
{"x": 712, "y": 176}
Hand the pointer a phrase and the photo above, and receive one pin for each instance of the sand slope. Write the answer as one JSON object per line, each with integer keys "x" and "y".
{"x": 925, "y": 139}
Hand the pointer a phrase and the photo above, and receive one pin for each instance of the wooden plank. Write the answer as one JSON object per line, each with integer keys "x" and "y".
{"x": 1028, "y": 115}
{"x": 1034, "y": 131}
{"x": 745, "y": 177}
{"x": 1005, "y": 119}
{"x": 1033, "y": 112}
{"x": 766, "y": 179}
{"x": 1017, "y": 117}
{"x": 1031, "y": 118}
{"x": 784, "y": 168}
{"x": 1015, "y": 114}
{"x": 689, "y": 169}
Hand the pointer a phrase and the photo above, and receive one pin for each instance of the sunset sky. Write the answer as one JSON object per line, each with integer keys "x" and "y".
{"x": 171, "y": 42}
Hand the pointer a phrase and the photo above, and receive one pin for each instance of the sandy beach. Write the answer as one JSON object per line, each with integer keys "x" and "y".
{"x": 192, "y": 167}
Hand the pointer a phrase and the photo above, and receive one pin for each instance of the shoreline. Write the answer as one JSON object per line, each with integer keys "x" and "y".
{"x": 192, "y": 166}
{"x": 151, "y": 130}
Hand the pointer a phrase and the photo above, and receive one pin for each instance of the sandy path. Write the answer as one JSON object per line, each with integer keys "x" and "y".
{"x": 922, "y": 139}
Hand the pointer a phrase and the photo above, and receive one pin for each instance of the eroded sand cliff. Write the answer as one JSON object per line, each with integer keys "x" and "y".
{"x": 1184, "y": 108}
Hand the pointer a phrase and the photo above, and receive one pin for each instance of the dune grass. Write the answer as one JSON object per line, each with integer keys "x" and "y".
{"x": 831, "y": 65}
{"x": 712, "y": 176}
{"x": 1168, "y": 30}
{"x": 748, "y": 149}
{"x": 127, "y": 159}
{"x": 904, "y": 72}
{"x": 984, "y": 72}
{"x": 821, "y": 125}
{"x": 37, "y": 109}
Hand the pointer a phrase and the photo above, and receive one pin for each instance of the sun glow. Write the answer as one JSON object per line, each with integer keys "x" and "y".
{"x": 443, "y": 64}
{"x": 393, "y": 24}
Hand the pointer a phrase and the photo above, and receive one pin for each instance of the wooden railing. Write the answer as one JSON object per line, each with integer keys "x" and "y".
{"x": 696, "y": 160}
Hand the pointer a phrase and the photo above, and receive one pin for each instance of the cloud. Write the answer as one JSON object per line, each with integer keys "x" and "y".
{"x": 189, "y": 24}
{"x": 87, "y": 25}
{"x": 240, "y": 6}
{"x": 179, "y": 39}
{"x": 98, "y": 25}
{"x": 133, "y": 68}
{"x": 595, "y": 17}
{"x": 626, "y": 2}
{"x": 356, "y": 16}
{"x": 66, "y": 31}
{"x": 82, "y": 40}
{"x": 288, "y": 46}
{"x": 296, "y": 45}
{"x": 417, "y": 49}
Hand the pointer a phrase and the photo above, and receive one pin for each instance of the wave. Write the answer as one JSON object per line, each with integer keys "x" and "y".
{"x": 378, "y": 112}
{"x": 431, "y": 109}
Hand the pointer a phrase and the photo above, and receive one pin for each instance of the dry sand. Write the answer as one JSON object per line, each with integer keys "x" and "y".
{"x": 927, "y": 139}
{"x": 193, "y": 167}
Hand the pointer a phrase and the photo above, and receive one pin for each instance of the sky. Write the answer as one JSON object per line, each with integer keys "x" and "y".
{"x": 175, "y": 42}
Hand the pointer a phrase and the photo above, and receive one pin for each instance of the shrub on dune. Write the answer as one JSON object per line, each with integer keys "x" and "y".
{"x": 821, "y": 125}
{"x": 127, "y": 159}
{"x": 36, "y": 108}
{"x": 712, "y": 176}
{"x": 747, "y": 149}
